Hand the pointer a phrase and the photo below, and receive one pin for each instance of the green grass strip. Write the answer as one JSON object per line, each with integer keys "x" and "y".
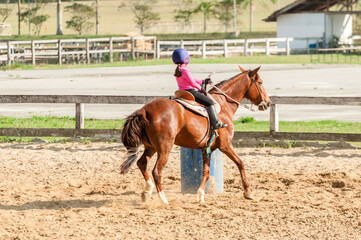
{"x": 242, "y": 124}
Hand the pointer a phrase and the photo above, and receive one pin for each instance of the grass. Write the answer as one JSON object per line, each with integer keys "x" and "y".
{"x": 57, "y": 122}
{"x": 242, "y": 124}
{"x": 164, "y": 37}
{"x": 120, "y": 21}
{"x": 324, "y": 126}
{"x": 258, "y": 59}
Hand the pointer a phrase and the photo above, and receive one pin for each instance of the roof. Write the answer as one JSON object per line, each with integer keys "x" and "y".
{"x": 302, "y": 6}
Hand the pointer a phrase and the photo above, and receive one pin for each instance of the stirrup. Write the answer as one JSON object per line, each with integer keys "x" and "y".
{"x": 219, "y": 125}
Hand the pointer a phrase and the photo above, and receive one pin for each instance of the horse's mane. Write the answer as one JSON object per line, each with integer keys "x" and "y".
{"x": 225, "y": 84}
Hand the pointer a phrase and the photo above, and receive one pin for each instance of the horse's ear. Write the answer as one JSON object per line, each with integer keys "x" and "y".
{"x": 242, "y": 69}
{"x": 254, "y": 72}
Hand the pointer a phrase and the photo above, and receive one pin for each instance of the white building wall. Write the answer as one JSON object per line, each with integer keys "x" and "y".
{"x": 313, "y": 26}
{"x": 300, "y": 25}
{"x": 339, "y": 25}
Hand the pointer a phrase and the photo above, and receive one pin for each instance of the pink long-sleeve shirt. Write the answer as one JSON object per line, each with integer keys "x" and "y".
{"x": 186, "y": 81}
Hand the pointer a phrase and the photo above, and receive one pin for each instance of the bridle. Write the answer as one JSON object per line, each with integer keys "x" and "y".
{"x": 253, "y": 81}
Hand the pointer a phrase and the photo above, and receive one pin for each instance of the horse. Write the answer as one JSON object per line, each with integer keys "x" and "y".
{"x": 162, "y": 123}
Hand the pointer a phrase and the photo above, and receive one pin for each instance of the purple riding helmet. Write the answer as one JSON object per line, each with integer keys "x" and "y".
{"x": 180, "y": 56}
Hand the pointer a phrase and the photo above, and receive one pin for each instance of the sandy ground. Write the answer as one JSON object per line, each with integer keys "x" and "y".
{"x": 75, "y": 191}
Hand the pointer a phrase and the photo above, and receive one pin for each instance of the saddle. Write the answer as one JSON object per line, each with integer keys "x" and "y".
{"x": 187, "y": 100}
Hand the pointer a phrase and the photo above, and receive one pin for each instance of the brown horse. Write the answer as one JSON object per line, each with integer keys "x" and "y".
{"x": 163, "y": 122}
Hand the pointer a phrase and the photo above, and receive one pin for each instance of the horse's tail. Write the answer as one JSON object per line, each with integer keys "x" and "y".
{"x": 132, "y": 135}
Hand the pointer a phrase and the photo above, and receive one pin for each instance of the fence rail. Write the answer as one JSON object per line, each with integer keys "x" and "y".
{"x": 80, "y": 100}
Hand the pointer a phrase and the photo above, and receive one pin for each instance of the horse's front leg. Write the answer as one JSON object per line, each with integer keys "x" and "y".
{"x": 205, "y": 177}
{"x": 229, "y": 151}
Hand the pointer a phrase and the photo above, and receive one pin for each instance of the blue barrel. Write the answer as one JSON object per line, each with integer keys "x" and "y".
{"x": 192, "y": 168}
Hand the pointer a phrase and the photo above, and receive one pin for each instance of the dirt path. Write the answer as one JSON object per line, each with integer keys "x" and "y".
{"x": 74, "y": 191}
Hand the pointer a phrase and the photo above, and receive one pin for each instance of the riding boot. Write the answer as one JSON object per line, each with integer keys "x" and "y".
{"x": 215, "y": 122}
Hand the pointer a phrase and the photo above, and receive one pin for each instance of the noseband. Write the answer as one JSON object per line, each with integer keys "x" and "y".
{"x": 253, "y": 80}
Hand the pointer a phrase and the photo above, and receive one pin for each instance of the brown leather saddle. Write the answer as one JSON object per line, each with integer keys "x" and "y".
{"x": 187, "y": 100}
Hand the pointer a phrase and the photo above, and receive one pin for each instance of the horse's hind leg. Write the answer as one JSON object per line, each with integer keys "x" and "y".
{"x": 142, "y": 164}
{"x": 163, "y": 155}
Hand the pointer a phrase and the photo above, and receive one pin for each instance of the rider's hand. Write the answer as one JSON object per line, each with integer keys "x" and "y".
{"x": 207, "y": 81}
{"x": 203, "y": 89}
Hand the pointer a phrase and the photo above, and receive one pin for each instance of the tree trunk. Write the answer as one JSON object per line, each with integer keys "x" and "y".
{"x": 204, "y": 22}
{"x": 59, "y": 30}
{"x": 97, "y": 17}
{"x": 251, "y": 16}
{"x": 19, "y": 21}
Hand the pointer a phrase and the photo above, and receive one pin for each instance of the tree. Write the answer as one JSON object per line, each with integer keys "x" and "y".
{"x": 224, "y": 12}
{"x": 6, "y": 11}
{"x": 97, "y": 17}
{"x": 36, "y": 18}
{"x": 185, "y": 11}
{"x": 250, "y": 4}
{"x": 82, "y": 14}
{"x": 143, "y": 12}
{"x": 207, "y": 9}
{"x": 19, "y": 17}
{"x": 59, "y": 14}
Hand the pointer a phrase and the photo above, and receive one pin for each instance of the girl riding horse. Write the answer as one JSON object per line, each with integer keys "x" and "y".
{"x": 192, "y": 85}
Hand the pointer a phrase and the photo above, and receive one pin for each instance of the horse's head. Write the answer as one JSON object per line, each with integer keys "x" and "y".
{"x": 256, "y": 92}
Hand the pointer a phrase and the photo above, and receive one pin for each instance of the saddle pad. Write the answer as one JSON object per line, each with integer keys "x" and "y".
{"x": 193, "y": 106}
{"x": 196, "y": 107}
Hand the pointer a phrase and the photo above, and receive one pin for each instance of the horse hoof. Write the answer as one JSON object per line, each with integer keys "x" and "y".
{"x": 248, "y": 196}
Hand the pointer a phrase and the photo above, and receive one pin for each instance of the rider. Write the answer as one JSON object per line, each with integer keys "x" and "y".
{"x": 194, "y": 86}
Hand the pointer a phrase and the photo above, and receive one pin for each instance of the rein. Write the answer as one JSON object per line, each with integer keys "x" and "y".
{"x": 237, "y": 102}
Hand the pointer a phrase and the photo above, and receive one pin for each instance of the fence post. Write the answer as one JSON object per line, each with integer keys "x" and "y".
{"x": 132, "y": 47}
{"x": 87, "y": 51}
{"x": 60, "y": 56}
{"x": 158, "y": 49}
{"x": 181, "y": 43}
{"x": 32, "y": 52}
{"x": 155, "y": 47}
{"x": 288, "y": 49}
{"x": 204, "y": 46}
{"x": 9, "y": 53}
{"x": 308, "y": 45}
{"x": 111, "y": 49}
{"x": 273, "y": 121}
{"x": 267, "y": 47}
{"x": 245, "y": 47}
{"x": 79, "y": 115}
{"x": 225, "y": 45}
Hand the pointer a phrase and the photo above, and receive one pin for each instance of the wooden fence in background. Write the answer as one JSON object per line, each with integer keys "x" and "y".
{"x": 225, "y": 47}
{"x": 80, "y": 50}
{"x": 96, "y": 50}
{"x": 80, "y": 100}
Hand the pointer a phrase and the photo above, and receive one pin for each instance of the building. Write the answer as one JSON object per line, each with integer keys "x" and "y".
{"x": 315, "y": 23}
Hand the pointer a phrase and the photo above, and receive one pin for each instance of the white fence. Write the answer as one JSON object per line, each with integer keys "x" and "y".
{"x": 77, "y": 50}
{"x": 226, "y": 47}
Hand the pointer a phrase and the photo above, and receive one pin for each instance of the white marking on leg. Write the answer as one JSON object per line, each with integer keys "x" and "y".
{"x": 200, "y": 195}
{"x": 149, "y": 187}
{"x": 162, "y": 197}
{"x": 147, "y": 193}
